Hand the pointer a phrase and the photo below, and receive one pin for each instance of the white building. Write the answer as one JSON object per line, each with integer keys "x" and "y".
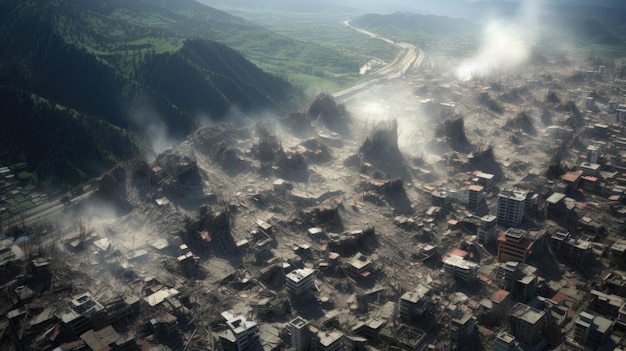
{"x": 300, "y": 281}
{"x": 510, "y": 210}
{"x": 460, "y": 268}
{"x": 241, "y": 334}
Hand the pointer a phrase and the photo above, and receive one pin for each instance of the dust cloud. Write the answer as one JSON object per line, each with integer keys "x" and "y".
{"x": 506, "y": 44}
{"x": 144, "y": 116}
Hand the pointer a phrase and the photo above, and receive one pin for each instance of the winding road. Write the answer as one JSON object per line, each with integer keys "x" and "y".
{"x": 408, "y": 57}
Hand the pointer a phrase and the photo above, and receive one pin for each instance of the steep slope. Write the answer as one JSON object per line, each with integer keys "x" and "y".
{"x": 93, "y": 58}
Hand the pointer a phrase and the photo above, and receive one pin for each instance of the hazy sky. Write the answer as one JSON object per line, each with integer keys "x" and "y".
{"x": 441, "y": 7}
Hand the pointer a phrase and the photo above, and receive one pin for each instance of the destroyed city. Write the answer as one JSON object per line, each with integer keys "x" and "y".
{"x": 297, "y": 175}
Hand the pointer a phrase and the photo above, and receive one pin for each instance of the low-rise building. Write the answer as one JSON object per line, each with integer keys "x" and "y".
{"x": 360, "y": 266}
{"x": 460, "y": 268}
{"x": 614, "y": 282}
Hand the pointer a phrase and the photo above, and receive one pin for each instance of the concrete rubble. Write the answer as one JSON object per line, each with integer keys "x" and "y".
{"x": 497, "y": 223}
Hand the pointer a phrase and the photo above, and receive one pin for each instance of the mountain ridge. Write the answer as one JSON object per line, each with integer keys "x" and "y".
{"x": 87, "y": 57}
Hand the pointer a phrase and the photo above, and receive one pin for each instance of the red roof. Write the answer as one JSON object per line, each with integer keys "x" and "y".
{"x": 558, "y": 297}
{"x": 473, "y": 304}
{"x": 571, "y": 176}
{"x": 499, "y": 296}
{"x": 476, "y": 188}
{"x": 524, "y": 243}
{"x": 458, "y": 252}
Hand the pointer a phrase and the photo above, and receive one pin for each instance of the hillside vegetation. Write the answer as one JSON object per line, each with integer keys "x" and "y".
{"x": 84, "y": 83}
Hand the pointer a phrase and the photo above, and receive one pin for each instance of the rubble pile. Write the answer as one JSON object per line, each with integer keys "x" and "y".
{"x": 268, "y": 149}
{"x": 178, "y": 178}
{"x": 486, "y": 100}
{"x": 210, "y": 232}
{"x": 316, "y": 151}
{"x": 324, "y": 110}
{"x": 389, "y": 192}
{"x": 298, "y": 124}
{"x": 291, "y": 166}
{"x": 577, "y": 116}
{"x": 251, "y": 238}
{"x": 125, "y": 184}
{"x": 546, "y": 117}
{"x": 553, "y": 98}
{"x": 514, "y": 96}
{"x": 452, "y": 130}
{"x": 522, "y": 121}
{"x": 220, "y": 142}
{"x": 381, "y": 150}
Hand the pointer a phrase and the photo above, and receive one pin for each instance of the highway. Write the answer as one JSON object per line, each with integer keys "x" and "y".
{"x": 408, "y": 57}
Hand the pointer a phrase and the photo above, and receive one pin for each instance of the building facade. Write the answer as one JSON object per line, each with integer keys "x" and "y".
{"x": 513, "y": 245}
{"x": 510, "y": 210}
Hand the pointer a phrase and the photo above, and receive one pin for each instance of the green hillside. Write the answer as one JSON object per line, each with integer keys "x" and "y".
{"x": 82, "y": 81}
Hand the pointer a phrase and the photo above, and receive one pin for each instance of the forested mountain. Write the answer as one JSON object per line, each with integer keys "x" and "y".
{"x": 82, "y": 81}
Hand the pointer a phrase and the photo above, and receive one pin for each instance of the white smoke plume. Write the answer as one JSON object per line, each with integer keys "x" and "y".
{"x": 506, "y": 44}
{"x": 148, "y": 119}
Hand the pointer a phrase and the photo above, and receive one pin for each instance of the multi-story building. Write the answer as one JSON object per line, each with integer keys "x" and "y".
{"x": 329, "y": 341}
{"x": 476, "y": 200}
{"x": 487, "y": 231}
{"x": 513, "y": 245}
{"x": 412, "y": 304}
{"x": 241, "y": 335}
{"x": 592, "y": 331}
{"x": 300, "y": 338}
{"x": 462, "y": 328}
{"x": 593, "y": 153}
{"x": 528, "y": 325}
{"x": 520, "y": 279}
{"x": 621, "y": 318}
{"x": 510, "y": 210}
{"x": 300, "y": 281}
{"x": 605, "y": 304}
{"x": 460, "y": 268}
{"x": 506, "y": 342}
{"x": 360, "y": 266}
{"x": 85, "y": 313}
